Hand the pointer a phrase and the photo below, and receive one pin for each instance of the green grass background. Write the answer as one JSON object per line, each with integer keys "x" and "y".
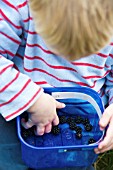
{"x": 104, "y": 161}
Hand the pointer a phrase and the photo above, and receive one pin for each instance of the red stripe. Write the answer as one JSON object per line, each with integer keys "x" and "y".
{"x": 107, "y": 66}
{"x": 62, "y": 80}
{"x": 111, "y": 43}
{"x": 6, "y": 86}
{"x": 95, "y": 76}
{"x": 56, "y": 67}
{"x": 107, "y": 91}
{"x": 41, "y": 82}
{"x": 110, "y": 80}
{"x": 28, "y": 19}
{"x": 12, "y": 39}
{"x": 30, "y": 32}
{"x": 10, "y": 53}
{"x": 14, "y": 97}
{"x": 4, "y": 69}
{"x": 37, "y": 45}
{"x": 102, "y": 55}
{"x": 19, "y": 56}
{"x": 110, "y": 99}
{"x": 102, "y": 94}
{"x": 2, "y": 52}
{"x": 16, "y": 67}
{"x": 22, "y": 5}
{"x": 87, "y": 64}
{"x": 10, "y": 5}
{"x": 111, "y": 55}
{"x": 22, "y": 108}
{"x": 16, "y": 26}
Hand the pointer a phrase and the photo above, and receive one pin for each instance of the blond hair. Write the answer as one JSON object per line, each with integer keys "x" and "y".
{"x": 74, "y": 28}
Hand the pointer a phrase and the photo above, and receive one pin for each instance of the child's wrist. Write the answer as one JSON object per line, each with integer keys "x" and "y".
{"x": 35, "y": 106}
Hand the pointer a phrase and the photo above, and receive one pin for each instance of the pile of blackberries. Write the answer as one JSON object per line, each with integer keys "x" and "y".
{"x": 73, "y": 123}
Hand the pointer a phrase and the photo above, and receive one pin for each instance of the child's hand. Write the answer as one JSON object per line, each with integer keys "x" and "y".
{"x": 43, "y": 114}
{"x": 107, "y": 119}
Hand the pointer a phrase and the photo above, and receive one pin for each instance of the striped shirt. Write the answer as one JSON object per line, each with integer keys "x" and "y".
{"x": 27, "y": 65}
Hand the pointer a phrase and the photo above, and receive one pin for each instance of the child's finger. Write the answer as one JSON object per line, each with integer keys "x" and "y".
{"x": 27, "y": 124}
{"x": 105, "y": 119}
{"x": 109, "y": 136}
{"x": 56, "y": 120}
{"x": 48, "y": 128}
{"x": 40, "y": 129}
{"x": 97, "y": 151}
{"x": 60, "y": 105}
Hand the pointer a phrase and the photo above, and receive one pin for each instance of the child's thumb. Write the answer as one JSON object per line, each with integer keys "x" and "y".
{"x": 60, "y": 105}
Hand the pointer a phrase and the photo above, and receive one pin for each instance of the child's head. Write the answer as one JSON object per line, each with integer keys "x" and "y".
{"x": 74, "y": 28}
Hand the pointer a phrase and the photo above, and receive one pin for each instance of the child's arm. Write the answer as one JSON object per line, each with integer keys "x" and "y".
{"x": 17, "y": 91}
{"x": 43, "y": 114}
{"x": 107, "y": 119}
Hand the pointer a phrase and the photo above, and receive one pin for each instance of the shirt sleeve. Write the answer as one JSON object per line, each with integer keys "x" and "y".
{"x": 109, "y": 80}
{"x": 17, "y": 91}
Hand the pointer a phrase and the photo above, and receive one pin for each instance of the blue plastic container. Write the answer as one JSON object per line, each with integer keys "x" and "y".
{"x": 64, "y": 150}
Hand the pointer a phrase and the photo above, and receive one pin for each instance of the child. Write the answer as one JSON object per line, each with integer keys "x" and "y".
{"x": 67, "y": 50}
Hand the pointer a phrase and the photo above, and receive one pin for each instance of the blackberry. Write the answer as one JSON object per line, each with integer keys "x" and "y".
{"x": 31, "y": 131}
{"x": 78, "y": 135}
{"x": 78, "y": 129}
{"x": 27, "y": 132}
{"x": 91, "y": 140}
{"x": 85, "y": 121}
{"x": 70, "y": 120}
{"x": 62, "y": 119}
{"x": 78, "y": 119}
{"x": 72, "y": 125}
{"x": 55, "y": 130}
{"x": 88, "y": 127}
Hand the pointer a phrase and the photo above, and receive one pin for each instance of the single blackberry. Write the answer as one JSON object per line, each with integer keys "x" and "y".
{"x": 88, "y": 127}
{"x": 31, "y": 131}
{"x": 27, "y": 132}
{"x": 78, "y": 119}
{"x": 72, "y": 125}
{"x": 78, "y": 129}
{"x": 55, "y": 130}
{"x": 62, "y": 119}
{"x": 78, "y": 135}
{"x": 70, "y": 120}
{"x": 91, "y": 140}
{"x": 85, "y": 121}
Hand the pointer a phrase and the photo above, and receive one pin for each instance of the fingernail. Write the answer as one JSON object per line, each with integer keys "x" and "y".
{"x": 40, "y": 133}
{"x": 101, "y": 128}
{"x": 48, "y": 131}
{"x": 97, "y": 152}
{"x": 100, "y": 147}
{"x": 63, "y": 105}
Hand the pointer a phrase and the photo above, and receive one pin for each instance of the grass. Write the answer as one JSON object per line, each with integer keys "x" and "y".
{"x": 104, "y": 161}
